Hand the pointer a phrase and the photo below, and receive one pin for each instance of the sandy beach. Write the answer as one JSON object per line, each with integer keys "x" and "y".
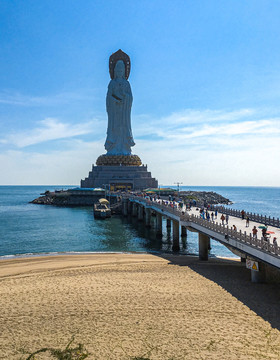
{"x": 125, "y": 305}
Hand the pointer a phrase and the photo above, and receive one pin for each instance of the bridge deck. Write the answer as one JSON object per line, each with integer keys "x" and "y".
{"x": 241, "y": 240}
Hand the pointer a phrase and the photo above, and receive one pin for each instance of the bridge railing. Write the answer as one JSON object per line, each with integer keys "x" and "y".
{"x": 262, "y": 244}
{"x": 267, "y": 220}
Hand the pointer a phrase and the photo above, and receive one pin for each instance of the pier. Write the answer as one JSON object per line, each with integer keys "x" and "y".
{"x": 258, "y": 251}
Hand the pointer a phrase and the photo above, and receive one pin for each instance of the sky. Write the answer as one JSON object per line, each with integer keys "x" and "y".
{"x": 205, "y": 78}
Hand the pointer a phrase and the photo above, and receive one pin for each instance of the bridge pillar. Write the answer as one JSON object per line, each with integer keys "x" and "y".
{"x": 134, "y": 209}
{"x": 125, "y": 207}
{"x": 129, "y": 206}
{"x": 148, "y": 217}
{"x": 175, "y": 246}
{"x": 259, "y": 276}
{"x": 158, "y": 225}
{"x": 140, "y": 212}
{"x": 203, "y": 246}
{"x": 168, "y": 223}
{"x": 183, "y": 231}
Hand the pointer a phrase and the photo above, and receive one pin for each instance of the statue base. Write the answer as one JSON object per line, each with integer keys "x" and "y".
{"x": 119, "y": 177}
{"x": 124, "y": 160}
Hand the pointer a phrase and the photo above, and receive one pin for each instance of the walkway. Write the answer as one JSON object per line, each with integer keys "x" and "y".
{"x": 241, "y": 240}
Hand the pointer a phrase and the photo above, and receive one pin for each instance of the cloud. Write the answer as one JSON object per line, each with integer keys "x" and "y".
{"x": 18, "y": 99}
{"x": 211, "y": 127}
{"x": 240, "y": 151}
{"x": 49, "y": 129}
{"x": 55, "y": 167}
{"x": 195, "y": 117}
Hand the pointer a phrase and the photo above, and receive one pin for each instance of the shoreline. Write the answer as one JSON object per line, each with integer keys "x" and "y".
{"x": 71, "y": 253}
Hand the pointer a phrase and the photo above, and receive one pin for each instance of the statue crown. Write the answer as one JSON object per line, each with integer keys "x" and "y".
{"x": 119, "y": 55}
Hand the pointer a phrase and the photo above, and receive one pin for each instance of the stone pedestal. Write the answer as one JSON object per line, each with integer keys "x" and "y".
{"x": 119, "y": 178}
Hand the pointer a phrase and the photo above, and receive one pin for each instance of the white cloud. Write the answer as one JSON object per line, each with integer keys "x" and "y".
{"x": 49, "y": 129}
{"x": 243, "y": 150}
{"x": 18, "y": 99}
{"x": 55, "y": 167}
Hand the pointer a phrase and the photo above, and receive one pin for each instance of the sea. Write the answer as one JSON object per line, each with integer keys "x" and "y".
{"x": 31, "y": 230}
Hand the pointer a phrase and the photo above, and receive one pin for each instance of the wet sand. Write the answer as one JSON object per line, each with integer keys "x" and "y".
{"x": 124, "y": 305}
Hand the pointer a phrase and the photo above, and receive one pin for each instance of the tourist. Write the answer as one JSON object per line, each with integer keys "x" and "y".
{"x": 254, "y": 231}
{"x": 208, "y": 216}
{"x": 264, "y": 234}
{"x": 212, "y": 216}
{"x": 216, "y": 213}
{"x": 247, "y": 221}
{"x": 275, "y": 242}
{"x": 234, "y": 228}
{"x": 227, "y": 217}
{"x": 223, "y": 218}
{"x": 243, "y": 214}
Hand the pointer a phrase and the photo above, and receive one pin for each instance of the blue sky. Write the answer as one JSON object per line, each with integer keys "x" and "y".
{"x": 205, "y": 79}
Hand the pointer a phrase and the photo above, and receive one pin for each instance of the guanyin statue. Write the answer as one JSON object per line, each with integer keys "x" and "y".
{"x": 118, "y": 105}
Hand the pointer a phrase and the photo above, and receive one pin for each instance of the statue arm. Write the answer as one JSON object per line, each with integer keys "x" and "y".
{"x": 111, "y": 98}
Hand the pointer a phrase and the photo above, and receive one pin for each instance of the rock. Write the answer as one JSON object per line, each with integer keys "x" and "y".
{"x": 204, "y": 197}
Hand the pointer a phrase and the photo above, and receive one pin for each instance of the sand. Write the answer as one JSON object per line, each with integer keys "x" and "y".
{"x": 124, "y": 305}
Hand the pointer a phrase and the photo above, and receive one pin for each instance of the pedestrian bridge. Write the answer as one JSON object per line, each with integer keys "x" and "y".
{"x": 240, "y": 242}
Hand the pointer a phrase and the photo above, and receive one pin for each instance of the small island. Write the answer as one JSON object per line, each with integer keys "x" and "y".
{"x": 87, "y": 197}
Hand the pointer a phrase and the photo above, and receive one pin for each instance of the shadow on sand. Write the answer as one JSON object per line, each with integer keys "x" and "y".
{"x": 263, "y": 299}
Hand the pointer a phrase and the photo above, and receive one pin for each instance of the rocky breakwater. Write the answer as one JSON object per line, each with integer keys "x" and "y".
{"x": 204, "y": 198}
{"x": 70, "y": 197}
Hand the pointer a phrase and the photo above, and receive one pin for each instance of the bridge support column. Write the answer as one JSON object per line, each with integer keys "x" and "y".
{"x": 203, "y": 246}
{"x": 125, "y": 207}
{"x": 183, "y": 231}
{"x": 140, "y": 212}
{"x": 259, "y": 276}
{"x": 175, "y": 246}
{"x": 134, "y": 209}
{"x": 158, "y": 225}
{"x": 148, "y": 217}
{"x": 129, "y": 206}
{"x": 168, "y": 223}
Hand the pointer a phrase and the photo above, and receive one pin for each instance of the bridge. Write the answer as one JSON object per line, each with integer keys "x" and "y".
{"x": 258, "y": 250}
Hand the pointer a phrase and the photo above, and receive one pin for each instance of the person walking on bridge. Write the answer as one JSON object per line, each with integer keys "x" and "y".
{"x": 254, "y": 231}
{"x": 223, "y": 218}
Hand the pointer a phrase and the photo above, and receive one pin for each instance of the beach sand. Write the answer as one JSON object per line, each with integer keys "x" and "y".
{"x": 122, "y": 305}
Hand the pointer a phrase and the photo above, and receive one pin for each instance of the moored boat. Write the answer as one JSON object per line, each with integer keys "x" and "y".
{"x": 101, "y": 209}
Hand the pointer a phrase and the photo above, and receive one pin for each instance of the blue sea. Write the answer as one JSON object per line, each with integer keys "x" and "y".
{"x": 29, "y": 229}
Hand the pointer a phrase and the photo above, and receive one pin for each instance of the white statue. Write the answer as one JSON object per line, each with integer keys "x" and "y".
{"x": 118, "y": 104}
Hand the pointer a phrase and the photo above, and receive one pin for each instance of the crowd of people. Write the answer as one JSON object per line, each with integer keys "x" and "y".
{"x": 210, "y": 214}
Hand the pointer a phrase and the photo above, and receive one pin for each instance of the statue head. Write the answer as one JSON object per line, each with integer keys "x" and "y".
{"x": 114, "y": 58}
{"x": 119, "y": 70}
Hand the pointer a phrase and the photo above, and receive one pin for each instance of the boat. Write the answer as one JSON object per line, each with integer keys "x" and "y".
{"x": 101, "y": 209}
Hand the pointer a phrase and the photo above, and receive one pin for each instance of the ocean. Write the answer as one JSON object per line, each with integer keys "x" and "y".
{"x": 29, "y": 229}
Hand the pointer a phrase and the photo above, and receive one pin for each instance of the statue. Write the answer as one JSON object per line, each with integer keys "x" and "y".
{"x": 118, "y": 105}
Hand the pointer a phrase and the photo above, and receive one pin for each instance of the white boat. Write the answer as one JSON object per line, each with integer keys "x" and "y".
{"x": 101, "y": 209}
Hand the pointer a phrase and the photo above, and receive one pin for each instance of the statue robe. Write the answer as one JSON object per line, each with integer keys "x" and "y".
{"x": 118, "y": 104}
